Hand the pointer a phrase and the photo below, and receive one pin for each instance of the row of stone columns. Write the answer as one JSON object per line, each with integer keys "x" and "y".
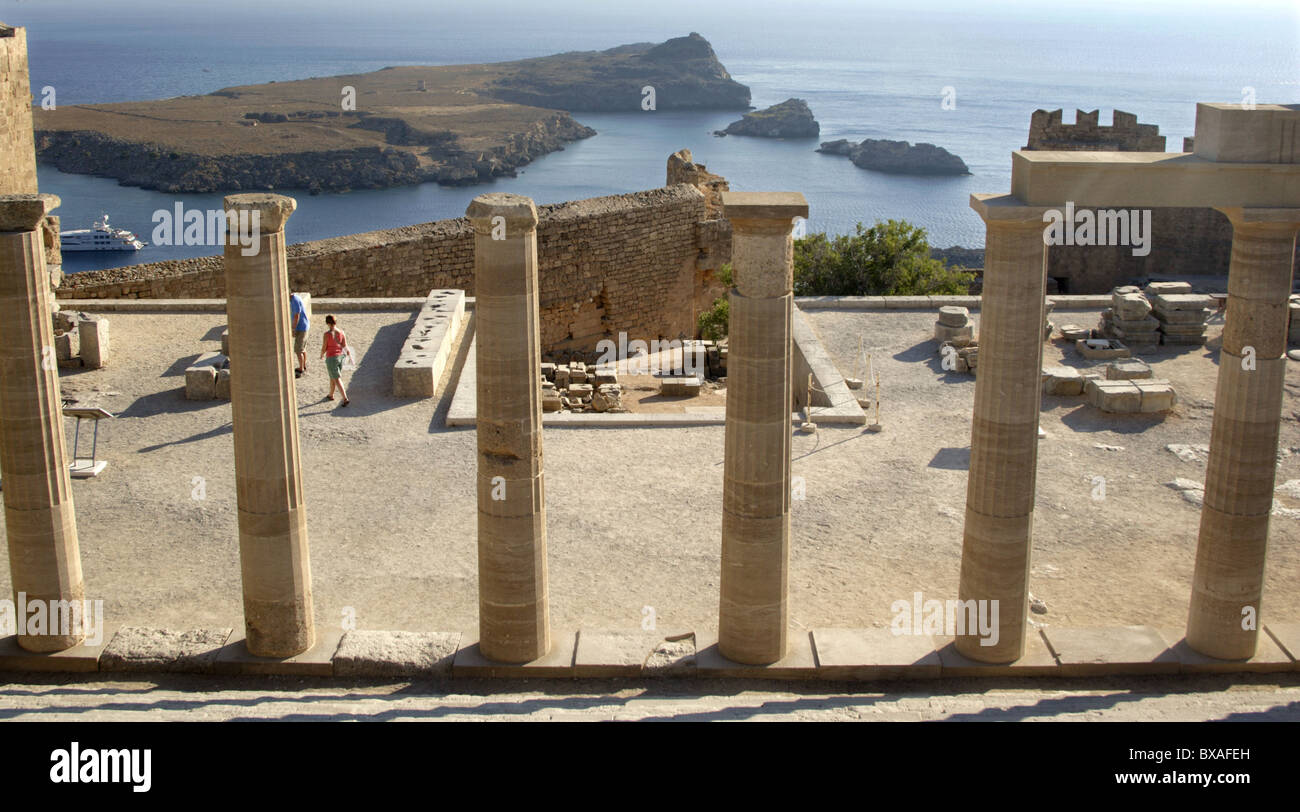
{"x": 1224, "y": 615}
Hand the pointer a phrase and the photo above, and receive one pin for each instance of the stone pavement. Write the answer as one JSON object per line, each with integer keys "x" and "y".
{"x": 186, "y": 698}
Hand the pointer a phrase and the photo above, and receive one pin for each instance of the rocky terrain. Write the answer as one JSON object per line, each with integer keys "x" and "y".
{"x": 789, "y": 119}
{"x": 455, "y": 124}
{"x": 899, "y": 157}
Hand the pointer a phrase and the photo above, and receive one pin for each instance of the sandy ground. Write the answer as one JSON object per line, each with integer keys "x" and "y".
{"x": 634, "y": 515}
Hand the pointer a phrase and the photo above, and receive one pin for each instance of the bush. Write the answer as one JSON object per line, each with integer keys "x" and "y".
{"x": 712, "y": 323}
{"x": 888, "y": 259}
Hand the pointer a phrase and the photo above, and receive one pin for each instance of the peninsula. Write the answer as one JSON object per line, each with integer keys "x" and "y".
{"x": 454, "y": 124}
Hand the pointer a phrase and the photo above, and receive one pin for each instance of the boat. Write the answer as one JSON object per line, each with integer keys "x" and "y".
{"x": 100, "y": 237}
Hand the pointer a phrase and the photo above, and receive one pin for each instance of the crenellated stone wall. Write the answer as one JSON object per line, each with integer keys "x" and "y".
{"x": 1046, "y": 131}
{"x": 644, "y": 263}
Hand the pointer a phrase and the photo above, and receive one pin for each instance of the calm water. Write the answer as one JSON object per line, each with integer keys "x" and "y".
{"x": 865, "y": 70}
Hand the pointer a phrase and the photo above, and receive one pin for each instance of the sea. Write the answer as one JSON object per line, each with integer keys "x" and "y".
{"x": 965, "y": 76}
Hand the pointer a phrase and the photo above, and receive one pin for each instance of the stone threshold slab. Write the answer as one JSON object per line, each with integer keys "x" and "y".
{"x": 843, "y": 654}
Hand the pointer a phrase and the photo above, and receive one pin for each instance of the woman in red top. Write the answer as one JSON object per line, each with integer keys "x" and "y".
{"x": 332, "y": 350}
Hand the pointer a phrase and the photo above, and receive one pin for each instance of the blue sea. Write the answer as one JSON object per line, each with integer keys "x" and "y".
{"x": 875, "y": 70}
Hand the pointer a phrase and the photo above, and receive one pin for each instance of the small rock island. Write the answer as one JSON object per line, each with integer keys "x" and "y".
{"x": 898, "y": 157}
{"x": 789, "y": 119}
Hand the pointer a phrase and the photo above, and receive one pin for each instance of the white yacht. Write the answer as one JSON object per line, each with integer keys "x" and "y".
{"x": 100, "y": 237}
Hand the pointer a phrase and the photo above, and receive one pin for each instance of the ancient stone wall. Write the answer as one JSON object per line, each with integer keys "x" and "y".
{"x": 631, "y": 263}
{"x": 1124, "y": 135}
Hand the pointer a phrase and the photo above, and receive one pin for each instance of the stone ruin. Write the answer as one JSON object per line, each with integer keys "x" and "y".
{"x": 576, "y": 387}
{"x": 1162, "y": 313}
{"x": 80, "y": 340}
{"x": 1047, "y": 131}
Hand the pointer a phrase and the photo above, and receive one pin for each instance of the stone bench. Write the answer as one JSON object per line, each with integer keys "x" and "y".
{"x": 429, "y": 345}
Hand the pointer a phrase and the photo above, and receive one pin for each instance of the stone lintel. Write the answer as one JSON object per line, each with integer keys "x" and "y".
{"x": 1149, "y": 180}
{"x": 519, "y": 212}
{"x": 25, "y": 212}
{"x": 764, "y": 205}
{"x": 273, "y": 210}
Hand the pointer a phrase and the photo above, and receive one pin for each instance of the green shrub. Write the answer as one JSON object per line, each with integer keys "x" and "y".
{"x": 889, "y": 259}
{"x": 712, "y": 323}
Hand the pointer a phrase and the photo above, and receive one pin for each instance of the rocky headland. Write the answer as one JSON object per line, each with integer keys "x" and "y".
{"x": 789, "y": 119}
{"x": 899, "y": 157}
{"x": 455, "y": 124}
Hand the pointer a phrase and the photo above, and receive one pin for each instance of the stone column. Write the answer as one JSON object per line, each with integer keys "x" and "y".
{"x": 513, "y": 603}
{"x": 44, "y": 560}
{"x": 1229, "y": 575}
{"x": 1004, "y": 428}
{"x": 754, "y": 609}
{"x": 273, "y": 553}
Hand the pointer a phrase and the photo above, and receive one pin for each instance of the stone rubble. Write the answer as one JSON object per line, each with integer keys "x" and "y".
{"x": 1181, "y": 313}
{"x": 80, "y": 340}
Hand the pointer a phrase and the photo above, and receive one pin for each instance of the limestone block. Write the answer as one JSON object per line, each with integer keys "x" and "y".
{"x": 428, "y": 346}
{"x": 225, "y": 342}
{"x": 1157, "y": 395}
{"x": 580, "y": 390}
{"x": 1154, "y": 289}
{"x": 1127, "y": 369}
{"x": 222, "y": 391}
{"x": 64, "y": 348}
{"x": 548, "y": 371}
{"x": 93, "y": 337}
{"x": 1131, "y": 306}
{"x": 943, "y": 332}
{"x": 607, "y": 398}
{"x": 679, "y": 387}
{"x": 562, "y": 376}
{"x": 953, "y": 316}
{"x": 1114, "y": 396}
{"x": 605, "y": 375}
{"x": 552, "y": 402}
{"x": 201, "y": 376}
{"x": 1073, "y": 332}
{"x": 74, "y": 362}
{"x": 1062, "y": 381}
{"x": 577, "y": 374}
{"x": 1181, "y": 301}
{"x": 1170, "y": 317}
{"x": 1101, "y": 349}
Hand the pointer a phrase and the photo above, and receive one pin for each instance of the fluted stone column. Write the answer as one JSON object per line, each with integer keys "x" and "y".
{"x": 1229, "y": 576}
{"x": 514, "y": 614}
{"x": 754, "y": 608}
{"x": 1004, "y": 428}
{"x": 273, "y": 552}
{"x": 44, "y": 560}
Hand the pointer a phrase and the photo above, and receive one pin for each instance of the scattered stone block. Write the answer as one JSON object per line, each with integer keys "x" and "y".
{"x": 1114, "y": 396}
{"x": 201, "y": 376}
{"x": 92, "y": 334}
{"x": 1074, "y": 332}
{"x": 1154, "y": 289}
{"x": 1062, "y": 381}
{"x": 222, "y": 390}
{"x": 1157, "y": 395}
{"x": 1127, "y": 370}
{"x": 607, "y": 398}
{"x": 580, "y": 390}
{"x": 953, "y": 316}
{"x": 605, "y": 375}
{"x": 679, "y": 387}
{"x": 64, "y": 349}
{"x": 562, "y": 377}
{"x": 1102, "y": 349}
{"x": 943, "y": 332}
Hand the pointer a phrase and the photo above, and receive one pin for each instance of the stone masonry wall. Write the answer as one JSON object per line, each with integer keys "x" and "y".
{"x": 1184, "y": 241}
{"x": 626, "y": 262}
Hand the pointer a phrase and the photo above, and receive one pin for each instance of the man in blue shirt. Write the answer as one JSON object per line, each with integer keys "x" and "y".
{"x": 298, "y": 318}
